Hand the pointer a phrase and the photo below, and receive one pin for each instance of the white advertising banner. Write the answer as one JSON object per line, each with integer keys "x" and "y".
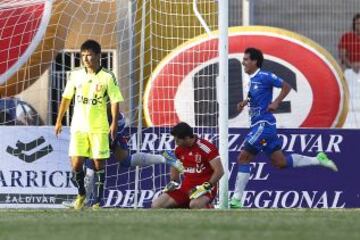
{"x": 34, "y": 167}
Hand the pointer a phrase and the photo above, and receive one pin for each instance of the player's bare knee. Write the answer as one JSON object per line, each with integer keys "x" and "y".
{"x": 77, "y": 167}
{"x": 194, "y": 205}
{"x": 99, "y": 164}
{"x": 160, "y": 202}
{"x": 155, "y": 204}
{"x": 278, "y": 163}
{"x": 244, "y": 157}
{"x": 120, "y": 154}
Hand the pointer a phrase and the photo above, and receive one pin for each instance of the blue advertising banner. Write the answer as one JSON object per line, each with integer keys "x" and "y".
{"x": 35, "y": 170}
{"x": 306, "y": 187}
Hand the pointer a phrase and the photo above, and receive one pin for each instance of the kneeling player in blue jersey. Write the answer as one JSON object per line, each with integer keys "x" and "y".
{"x": 262, "y": 135}
{"x": 119, "y": 149}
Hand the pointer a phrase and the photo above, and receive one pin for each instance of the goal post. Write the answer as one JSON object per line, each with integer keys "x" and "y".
{"x": 223, "y": 84}
{"x": 222, "y": 92}
{"x": 169, "y": 68}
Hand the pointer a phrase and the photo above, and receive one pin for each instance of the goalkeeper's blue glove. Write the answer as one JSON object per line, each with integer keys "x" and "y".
{"x": 200, "y": 190}
{"x": 171, "y": 186}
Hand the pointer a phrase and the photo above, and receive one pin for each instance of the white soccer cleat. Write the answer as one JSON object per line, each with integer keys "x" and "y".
{"x": 68, "y": 204}
{"x": 173, "y": 161}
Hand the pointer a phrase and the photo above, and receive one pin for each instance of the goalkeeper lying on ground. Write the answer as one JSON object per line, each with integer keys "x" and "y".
{"x": 119, "y": 149}
{"x": 202, "y": 171}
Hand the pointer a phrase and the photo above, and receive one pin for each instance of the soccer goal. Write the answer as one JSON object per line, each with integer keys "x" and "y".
{"x": 169, "y": 58}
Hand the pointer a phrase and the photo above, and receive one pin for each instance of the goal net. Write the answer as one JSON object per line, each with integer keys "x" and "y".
{"x": 166, "y": 66}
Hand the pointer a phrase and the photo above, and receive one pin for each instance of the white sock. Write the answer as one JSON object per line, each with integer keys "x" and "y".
{"x": 302, "y": 161}
{"x": 145, "y": 159}
{"x": 242, "y": 179}
{"x": 89, "y": 182}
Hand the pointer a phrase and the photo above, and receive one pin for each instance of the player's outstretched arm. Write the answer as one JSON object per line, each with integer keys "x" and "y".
{"x": 64, "y": 106}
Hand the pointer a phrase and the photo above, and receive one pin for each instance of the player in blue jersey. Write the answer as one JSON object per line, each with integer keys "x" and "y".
{"x": 263, "y": 135}
{"x": 119, "y": 149}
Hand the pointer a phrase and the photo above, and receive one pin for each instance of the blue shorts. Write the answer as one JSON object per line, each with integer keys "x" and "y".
{"x": 262, "y": 137}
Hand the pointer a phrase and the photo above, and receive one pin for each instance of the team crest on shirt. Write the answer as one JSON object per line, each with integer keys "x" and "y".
{"x": 197, "y": 158}
{"x": 263, "y": 142}
{"x": 98, "y": 87}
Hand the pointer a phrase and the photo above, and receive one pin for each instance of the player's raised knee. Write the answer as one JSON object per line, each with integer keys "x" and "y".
{"x": 278, "y": 163}
{"x": 156, "y": 204}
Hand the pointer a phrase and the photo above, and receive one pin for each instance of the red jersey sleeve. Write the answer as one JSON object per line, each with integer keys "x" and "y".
{"x": 214, "y": 153}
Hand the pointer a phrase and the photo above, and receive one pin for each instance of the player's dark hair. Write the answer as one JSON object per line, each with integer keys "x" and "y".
{"x": 182, "y": 130}
{"x": 356, "y": 17}
{"x": 91, "y": 45}
{"x": 255, "y": 54}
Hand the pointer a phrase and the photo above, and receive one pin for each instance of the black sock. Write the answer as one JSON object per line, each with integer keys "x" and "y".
{"x": 79, "y": 180}
{"x": 100, "y": 179}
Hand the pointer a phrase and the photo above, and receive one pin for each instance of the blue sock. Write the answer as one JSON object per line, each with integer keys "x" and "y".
{"x": 289, "y": 161}
{"x": 244, "y": 168}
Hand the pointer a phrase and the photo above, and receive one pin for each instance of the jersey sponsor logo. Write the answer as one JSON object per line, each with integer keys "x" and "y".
{"x": 89, "y": 101}
{"x": 199, "y": 168}
{"x": 183, "y": 85}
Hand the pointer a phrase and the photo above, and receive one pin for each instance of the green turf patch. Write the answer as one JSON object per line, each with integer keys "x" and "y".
{"x": 277, "y": 224}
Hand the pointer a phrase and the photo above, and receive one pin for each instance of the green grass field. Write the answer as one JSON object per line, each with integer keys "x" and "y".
{"x": 180, "y": 224}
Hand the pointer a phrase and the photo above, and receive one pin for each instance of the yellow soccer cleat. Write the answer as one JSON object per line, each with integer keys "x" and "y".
{"x": 96, "y": 206}
{"x": 79, "y": 202}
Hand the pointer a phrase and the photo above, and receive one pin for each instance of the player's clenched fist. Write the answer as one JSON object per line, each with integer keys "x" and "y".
{"x": 58, "y": 129}
{"x": 242, "y": 104}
